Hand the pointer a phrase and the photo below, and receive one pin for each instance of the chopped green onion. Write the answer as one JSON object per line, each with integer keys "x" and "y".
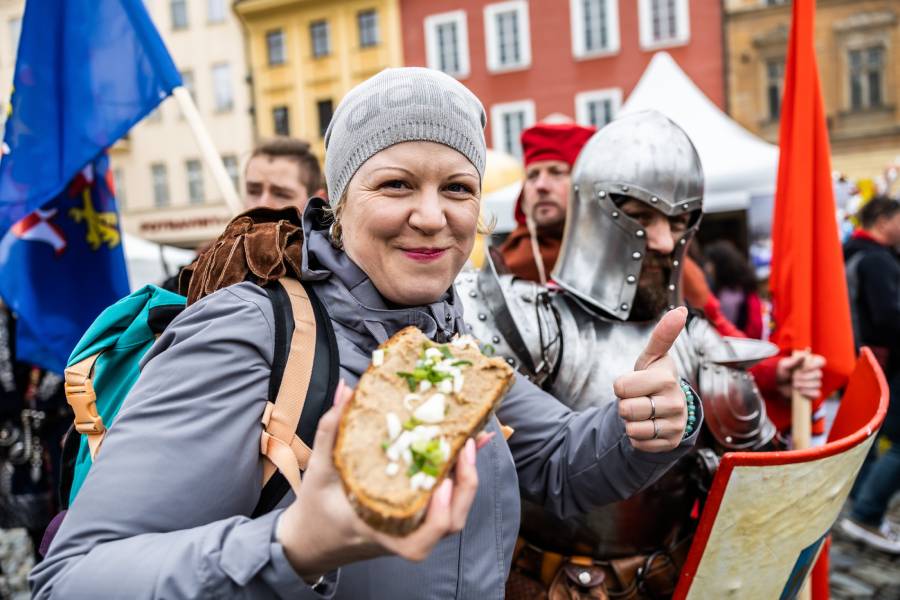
{"x": 462, "y": 363}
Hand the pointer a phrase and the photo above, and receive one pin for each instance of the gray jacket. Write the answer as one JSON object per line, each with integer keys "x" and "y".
{"x": 164, "y": 512}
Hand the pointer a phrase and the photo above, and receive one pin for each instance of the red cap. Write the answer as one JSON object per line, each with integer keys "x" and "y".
{"x": 552, "y": 141}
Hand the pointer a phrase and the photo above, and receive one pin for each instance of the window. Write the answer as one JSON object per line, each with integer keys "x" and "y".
{"x": 221, "y": 76}
{"x": 15, "y": 30}
{"x": 318, "y": 34}
{"x": 663, "y": 23}
{"x": 866, "y": 77}
{"x": 215, "y": 11}
{"x": 595, "y": 27}
{"x": 281, "y": 121}
{"x": 508, "y": 36}
{"x": 325, "y": 109}
{"x": 774, "y": 84}
{"x": 447, "y": 43}
{"x": 187, "y": 79}
{"x": 194, "y": 181}
{"x": 275, "y": 46}
{"x": 160, "y": 184}
{"x": 368, "y": 28}
{"x": 507, "y": 123}
{"x": 775, "y": 2}
{"x": 179, "y": 12}
{"x": 598, "y": 107}
{"x": 119, "y": 183}
{"x": 231, "y": 167}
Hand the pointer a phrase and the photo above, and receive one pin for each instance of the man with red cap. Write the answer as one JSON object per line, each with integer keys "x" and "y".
{"x": 550, "y": 150}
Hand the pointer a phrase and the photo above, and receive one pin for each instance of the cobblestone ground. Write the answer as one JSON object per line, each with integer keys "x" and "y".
{"x": 858, "y": 572}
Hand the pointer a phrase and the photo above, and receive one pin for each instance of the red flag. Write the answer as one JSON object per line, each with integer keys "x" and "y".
{"x": 809, "y": 289}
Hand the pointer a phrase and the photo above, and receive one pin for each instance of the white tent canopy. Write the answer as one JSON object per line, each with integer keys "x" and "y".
{"x": 738, "y": 166}
{"x": 152, "y": 263}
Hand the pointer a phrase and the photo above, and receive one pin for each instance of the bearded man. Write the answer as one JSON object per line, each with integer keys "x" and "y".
{"x": 635, "y": 203}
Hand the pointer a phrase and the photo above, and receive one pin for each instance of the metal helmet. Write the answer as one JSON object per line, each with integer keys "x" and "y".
{"x": 644, "y": 156}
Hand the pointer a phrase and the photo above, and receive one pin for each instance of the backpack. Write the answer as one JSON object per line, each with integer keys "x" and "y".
{"x": 105, "y": 365}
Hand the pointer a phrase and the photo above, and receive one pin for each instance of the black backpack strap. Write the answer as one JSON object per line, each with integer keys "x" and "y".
{"x": 322, "y": 384}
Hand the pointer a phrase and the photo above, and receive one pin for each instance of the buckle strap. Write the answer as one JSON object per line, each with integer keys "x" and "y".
{"x": 82, "y": 398}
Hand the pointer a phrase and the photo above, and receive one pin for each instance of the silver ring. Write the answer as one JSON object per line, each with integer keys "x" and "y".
{"x": 652, "y": 407}
{"x": 655, "y": 429}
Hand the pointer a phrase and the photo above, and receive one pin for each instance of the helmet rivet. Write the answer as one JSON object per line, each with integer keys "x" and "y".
{"x": 639, "y": 233}
{"x": 624, "y": 306}
{"x": 671, "y": 307}
{"x": 654, "y": 200}
{"x": 685, "y": 206}
{"x": 682, "y": 241}
{"x": 482, "y": 317}
{"x": 636, "y": 255}
{"x": 624, "y": 188}
{"x": 671, "y": 287}
{"x": 630, "y": 279}
{"x": 584, "y": 578}
{"x": 602, "y": 193}
{"x": 615, "y": 214}
{"x": 511, "y": 361}
{"x": 496, "y": 339}
{"x": 473, "y": 294}
{"x": 675, "y": 263}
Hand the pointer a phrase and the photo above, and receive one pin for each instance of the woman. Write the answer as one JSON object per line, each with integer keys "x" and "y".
{"x": 163, "y": 514}
{"x": 734, "y": 284}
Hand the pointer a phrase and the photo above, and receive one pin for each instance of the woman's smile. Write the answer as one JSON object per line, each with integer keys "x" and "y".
{"x": 424, "y": 254}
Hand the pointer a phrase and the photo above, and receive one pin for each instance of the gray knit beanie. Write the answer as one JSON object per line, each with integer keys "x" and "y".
{"x": 401, "y": 105}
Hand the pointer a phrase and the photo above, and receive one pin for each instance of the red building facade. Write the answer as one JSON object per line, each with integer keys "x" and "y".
{"x": 527, "y": 59}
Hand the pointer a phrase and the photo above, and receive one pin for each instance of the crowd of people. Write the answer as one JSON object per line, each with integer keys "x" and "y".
{"x": 596, "y": 492}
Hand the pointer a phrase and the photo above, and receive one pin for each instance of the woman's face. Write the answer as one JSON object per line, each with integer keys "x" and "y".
{"x": 410, "y": 218}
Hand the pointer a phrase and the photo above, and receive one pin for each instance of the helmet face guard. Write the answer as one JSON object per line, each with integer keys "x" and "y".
{"x": 645, "y": 157}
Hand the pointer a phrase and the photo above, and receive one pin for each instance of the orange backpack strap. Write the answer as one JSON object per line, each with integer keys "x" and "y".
{"x": 81, "y": 397}
{"x": 279, "y": 443}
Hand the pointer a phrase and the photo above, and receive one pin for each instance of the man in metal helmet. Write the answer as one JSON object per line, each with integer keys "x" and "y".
{"x": 636, "y": 200}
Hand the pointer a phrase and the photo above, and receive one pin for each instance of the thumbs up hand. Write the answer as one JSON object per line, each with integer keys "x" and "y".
{"x": 651, "y": 400}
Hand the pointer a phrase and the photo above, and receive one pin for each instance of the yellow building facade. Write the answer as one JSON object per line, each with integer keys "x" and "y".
{"x": 858, "y": 51}
{"x": 306, "y": 54}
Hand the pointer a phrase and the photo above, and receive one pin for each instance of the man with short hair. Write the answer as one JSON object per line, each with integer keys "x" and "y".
{"x": 873, "y": 278}
{"x": 282, "y": 172}
{"x": 550, "y": 150}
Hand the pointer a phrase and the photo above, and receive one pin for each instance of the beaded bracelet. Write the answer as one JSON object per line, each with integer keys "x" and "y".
{"x": 691, "y": 400}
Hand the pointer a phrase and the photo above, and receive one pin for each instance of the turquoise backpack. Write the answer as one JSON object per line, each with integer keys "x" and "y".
{"x": 108, "y": 357}
{"x": 105, "y": 365}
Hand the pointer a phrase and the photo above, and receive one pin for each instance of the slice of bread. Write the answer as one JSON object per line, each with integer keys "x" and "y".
{"x": 399, "y": 437}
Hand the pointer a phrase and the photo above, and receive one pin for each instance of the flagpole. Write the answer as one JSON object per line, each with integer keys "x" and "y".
{"x": 208, "y": 149}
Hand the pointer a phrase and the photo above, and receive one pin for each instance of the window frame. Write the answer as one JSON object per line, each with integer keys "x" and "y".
{"x": 375, "y": 28}
{"x": 584, "y": 99}
{"x": 157, "y": 187}
{"x": 187, "y": 19}
{"x": 864, "y": 75}
{"x": 313, "y": 26}
{"x": 458, "y": 18}
{"x": 498, "y": 135}
{"x": 209, "y": 11}
{"x": 287, "y": 119}
{"x": 232, "y": 167}
{"x": 578, "y": 22}
{"x": 645, "y": 26}
{"x": 767, "y": 86}
{"x": 492, "y": 36}
{"x": 323, "y": 127}
{"x": 228, "y": 83}
{"x": 270, "y": 36}
{"x": 194, "y": 179}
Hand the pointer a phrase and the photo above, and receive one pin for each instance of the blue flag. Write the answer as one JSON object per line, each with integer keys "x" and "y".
{"x": 86, "y": 72}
